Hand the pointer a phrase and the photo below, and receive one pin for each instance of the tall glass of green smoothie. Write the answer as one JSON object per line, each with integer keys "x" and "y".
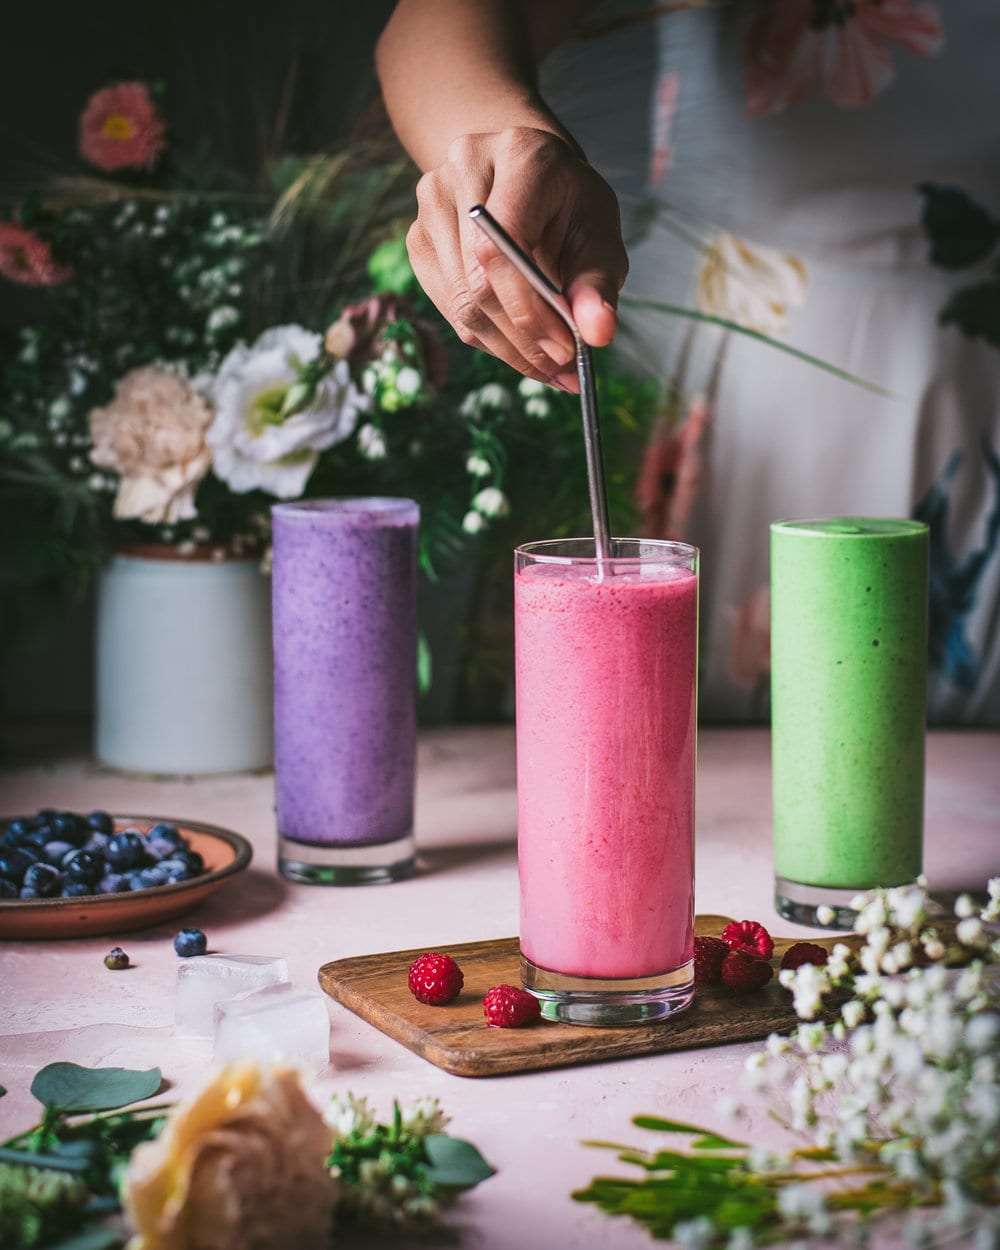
{"x": 848, "y": 710}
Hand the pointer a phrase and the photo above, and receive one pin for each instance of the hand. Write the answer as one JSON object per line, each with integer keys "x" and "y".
{"x": 560, "y": 211}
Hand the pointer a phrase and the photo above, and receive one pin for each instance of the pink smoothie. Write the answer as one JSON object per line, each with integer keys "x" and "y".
{"x": 606, "y": 699}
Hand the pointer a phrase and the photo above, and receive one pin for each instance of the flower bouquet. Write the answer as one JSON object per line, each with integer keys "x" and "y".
{"x": 196, "y": 348}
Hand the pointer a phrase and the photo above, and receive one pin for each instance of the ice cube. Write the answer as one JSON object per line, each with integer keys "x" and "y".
{"x": 206, "y": 980}
{"x": 278, "y": 1024}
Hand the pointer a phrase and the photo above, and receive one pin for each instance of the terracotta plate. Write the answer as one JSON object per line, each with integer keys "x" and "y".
{"x": 225, "y": 854}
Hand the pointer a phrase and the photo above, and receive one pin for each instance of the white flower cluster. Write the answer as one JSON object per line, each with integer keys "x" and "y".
{"x": 384, "y": 1192}
{"x": 907, "y": 1079}
{"x": 488, "y": 504}
{"x": 395, "y": 379}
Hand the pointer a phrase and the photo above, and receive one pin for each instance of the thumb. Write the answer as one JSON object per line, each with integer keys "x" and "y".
{"x": 593, "y": 300}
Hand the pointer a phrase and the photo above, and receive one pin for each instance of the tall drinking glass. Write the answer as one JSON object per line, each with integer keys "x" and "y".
{"x": 606, "y": 660}
{"x": 848, "y": 704}
{"x": 345, "y": 644}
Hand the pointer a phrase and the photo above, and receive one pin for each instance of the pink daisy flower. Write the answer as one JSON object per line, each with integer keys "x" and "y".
{"x": 121, "y": 129}
{"x": 26, "y": 258}
{"x": 839, "y": 47}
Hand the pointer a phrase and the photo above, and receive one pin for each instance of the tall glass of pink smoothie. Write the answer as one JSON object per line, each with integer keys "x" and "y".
{"x": 606, "y": 666}
{"x": 344, "y": 598}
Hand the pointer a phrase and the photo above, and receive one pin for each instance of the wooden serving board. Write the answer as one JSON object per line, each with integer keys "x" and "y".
{"x": 457, "y": 1038}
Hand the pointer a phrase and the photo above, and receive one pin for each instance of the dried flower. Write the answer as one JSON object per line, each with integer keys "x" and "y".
{"x": 242, "y": 1164}
{"x": 153, "y": 435}
{"x": 26, "y": 258}
{"x": 120, "y": 128}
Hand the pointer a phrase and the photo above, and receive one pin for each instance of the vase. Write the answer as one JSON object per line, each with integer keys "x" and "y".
{"x": 183, "y": 664}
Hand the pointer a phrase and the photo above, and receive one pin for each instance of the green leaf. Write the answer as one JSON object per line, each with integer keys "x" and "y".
{"x": 91, "y": 1239}
{"x": 389, "y": 267}
{"x": 73, "y": 1088}
{"x": 692, "y": 314}
{"x": 2, "y": 1091}
{"x": 455, "y": 1163}
{"x": 659, "y": 1125}
{"x": 425, "y": 664}
{"x": 712, "y": 1141}
{"x": 962, "y": 232}
{"x": 975, "y": 310}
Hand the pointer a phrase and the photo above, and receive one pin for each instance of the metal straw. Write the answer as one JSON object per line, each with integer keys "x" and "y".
{"x": 584, "y": 369}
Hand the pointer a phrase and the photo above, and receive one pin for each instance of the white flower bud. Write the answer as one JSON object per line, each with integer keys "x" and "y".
{"x": 477, "y": 466}
{"x": 491, "y": 502}
{"x": 473, "y": 522}
{"x": 409, "y": 382}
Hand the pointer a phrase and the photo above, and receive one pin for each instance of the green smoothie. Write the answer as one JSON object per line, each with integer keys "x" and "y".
{"x": 848, "y": 700}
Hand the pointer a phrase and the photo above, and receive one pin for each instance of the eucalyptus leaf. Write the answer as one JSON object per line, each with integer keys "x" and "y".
{"x": 2, "y": 1091}
{"x": 73, "y": 1088}
{"x": 962, "y": 232}
{"x": 455, "y": 1163}
{"x": 975, "y": 310}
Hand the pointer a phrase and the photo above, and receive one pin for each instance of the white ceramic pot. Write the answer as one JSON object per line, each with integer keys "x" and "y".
{"x": 184, "y": 665}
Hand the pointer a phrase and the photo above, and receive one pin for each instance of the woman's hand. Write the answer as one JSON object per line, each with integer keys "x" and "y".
{"x": 558, "y": 209}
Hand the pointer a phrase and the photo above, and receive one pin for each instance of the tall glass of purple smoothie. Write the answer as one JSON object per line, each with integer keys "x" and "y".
{"x": 345, "y": 644}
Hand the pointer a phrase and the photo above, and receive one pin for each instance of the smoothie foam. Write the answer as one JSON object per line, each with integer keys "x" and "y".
{"x": 606, "y": 700}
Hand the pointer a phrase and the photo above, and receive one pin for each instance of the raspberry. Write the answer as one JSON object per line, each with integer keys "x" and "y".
{"x": 741, "y": 971}
{"x": 748, "y": 936}
{"x": 506, "y": 1007}
{"x": 804, "y": 953}
{"x": 709, "y": 953}
{"x": 435, "y": 979}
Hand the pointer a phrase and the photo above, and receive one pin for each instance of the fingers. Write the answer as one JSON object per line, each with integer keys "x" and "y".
{"x": 559, "y": 211}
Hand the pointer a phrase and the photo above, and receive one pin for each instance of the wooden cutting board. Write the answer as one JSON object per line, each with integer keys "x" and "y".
{"x": 457, "y": 1038}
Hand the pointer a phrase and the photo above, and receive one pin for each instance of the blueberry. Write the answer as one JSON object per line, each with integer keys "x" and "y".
{"x": 116, "y": 959}
{"x": 168, "y": 833}
{"x": 158, "y": 849}
{"x": 55, "y": 852}
{"x": 36, "y": 839}
{"x": 43, "y": 879}
{"x": 192, "y": 860}
{"x": 112, "y": 883}
{"x": 7, "y": 888}
{"x": 149, "y": 877}
{"x": 177, "y": 869}
{"x": 133, "y": 879}
{"x": 69, "y": 827}
{"x": 17, "y": 830}
{"x": 76, "y": 889}
{"x": 124, "y": 850}
{"x": 97, "y": 842}
{"x": 190, "y": 942}
{"x": 26, "y": 893}
{"x": 44, "y": 816}
{"x": 15, "y": 862}
{"x": 85, "y": 866}
{"x": 101, "y": 822}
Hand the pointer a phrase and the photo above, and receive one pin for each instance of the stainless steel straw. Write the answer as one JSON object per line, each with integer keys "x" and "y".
{"x": 584, "y": 369}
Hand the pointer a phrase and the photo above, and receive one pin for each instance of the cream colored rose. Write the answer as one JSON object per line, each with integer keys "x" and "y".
{"x": 754, "y": 286}
{"x": 240, "y": 1167}
{"x": 153, "y": 435}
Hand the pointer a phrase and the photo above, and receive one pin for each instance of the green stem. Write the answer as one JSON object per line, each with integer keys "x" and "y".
{"x": 692, "y": 314}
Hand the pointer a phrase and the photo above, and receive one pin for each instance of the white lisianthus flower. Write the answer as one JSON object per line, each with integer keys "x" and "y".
{"x": 537, "y": 407}
{"x": 752, "y": 285}
{"x": 491, "y": 502}
{"x": 473, "y": 523}
{"x": 371, "y": 442}
{"x": 477, "y": 466}
{"x": 254, "y": 446}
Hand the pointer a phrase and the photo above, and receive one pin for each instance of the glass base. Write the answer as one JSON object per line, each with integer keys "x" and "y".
{"x": 609, "y": 1002}
{"x": 314, "y": 863}
{"x": 820, "y": 906}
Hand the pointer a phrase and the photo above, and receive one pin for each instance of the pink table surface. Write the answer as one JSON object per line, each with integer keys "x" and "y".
{"x": 58, "y": 1002}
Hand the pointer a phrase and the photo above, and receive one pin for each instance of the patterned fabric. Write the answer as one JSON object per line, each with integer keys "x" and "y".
{"x": 827, "y": 173}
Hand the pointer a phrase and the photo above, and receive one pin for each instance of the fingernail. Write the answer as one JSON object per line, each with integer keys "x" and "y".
{"x": 567, "y": 380}
{"x": 561, "y": 353}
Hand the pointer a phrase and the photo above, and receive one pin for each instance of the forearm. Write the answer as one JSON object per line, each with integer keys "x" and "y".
{"x": 454, "y": 67}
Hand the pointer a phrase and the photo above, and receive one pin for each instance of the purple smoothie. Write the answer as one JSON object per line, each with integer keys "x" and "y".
{"x": 345, "y": 639}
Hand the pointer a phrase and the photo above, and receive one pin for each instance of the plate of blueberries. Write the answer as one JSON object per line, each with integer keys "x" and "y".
{"x": 64, "y": 874}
